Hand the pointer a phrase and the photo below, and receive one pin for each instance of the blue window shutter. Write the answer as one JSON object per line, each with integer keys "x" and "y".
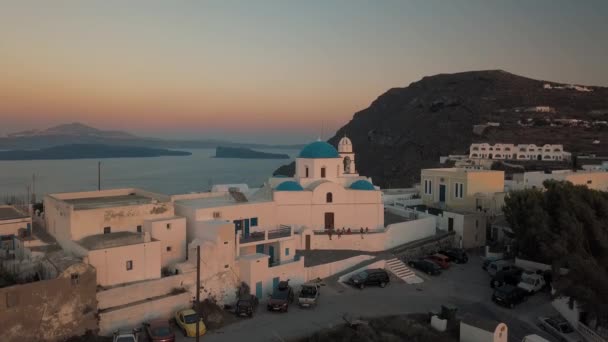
{"x": 254, "y": 221}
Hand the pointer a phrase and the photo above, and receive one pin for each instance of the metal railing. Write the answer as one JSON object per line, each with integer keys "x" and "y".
{"x": 279, "y": 233}
{"x": 253, "y": 237}
{"x": 284, "y": 231}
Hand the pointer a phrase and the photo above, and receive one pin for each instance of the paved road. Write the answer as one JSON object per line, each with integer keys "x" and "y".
{"x": 465, "y": 286}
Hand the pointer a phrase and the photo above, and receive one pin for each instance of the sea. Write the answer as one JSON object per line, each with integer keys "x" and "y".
{"x": 166, "y": 175}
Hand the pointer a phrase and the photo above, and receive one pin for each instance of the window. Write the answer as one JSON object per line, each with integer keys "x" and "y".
{"x": 458, "y": 190}
{"x": 476, "y": 226}
{"x": 129, "y": 265}
{"x": 589, "y": 181}
{"x": 322, "y": 172}
{"x": 139, "y": 229}
{"x": 74, "y": 278}
{"x": 254, "y": 222}
{"x": 217, "y": 214}
{"x": 168, "y": 225}
{"x": 428, "y": 187}
{"x": 168, "y": 248}
{"x": 329, "y": 197}
{"x": 286, "y": 251}
{"x": 107, "y": 230}
{"x": 307, "y": 172}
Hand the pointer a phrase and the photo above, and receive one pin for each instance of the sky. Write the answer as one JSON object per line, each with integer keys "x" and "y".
{"x": 269, "y": 71}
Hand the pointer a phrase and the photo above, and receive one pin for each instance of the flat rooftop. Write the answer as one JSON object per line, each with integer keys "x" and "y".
{"x": 118, "y": 239}
{"x": 10, "y": 213}
{"x": 108, "y": 201}
{"x": 220, "y": 201}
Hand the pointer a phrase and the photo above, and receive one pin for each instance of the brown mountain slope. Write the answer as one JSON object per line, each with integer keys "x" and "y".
{"x": 406, "y": 129}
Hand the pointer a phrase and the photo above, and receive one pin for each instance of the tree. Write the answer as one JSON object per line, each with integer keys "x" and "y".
{"x": 566, "y": 226}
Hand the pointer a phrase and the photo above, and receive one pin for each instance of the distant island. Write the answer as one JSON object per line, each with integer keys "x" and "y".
{"x": 78, "y": 133}
{"x": 88, "y": 151}
{"x": 245, "y": 153}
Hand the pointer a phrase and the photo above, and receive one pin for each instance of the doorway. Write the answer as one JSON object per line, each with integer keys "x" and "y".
{"x": 329, "y": 220}
{"x": 307, "y": 242}
{"x": 271, "y": 253}
{"x": 442, "y": 193}
{"x": 258, "y": 289}
{"x": 450, "y": 224}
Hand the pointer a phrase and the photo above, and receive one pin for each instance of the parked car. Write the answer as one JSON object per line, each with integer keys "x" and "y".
{"x": 186, "y": 322}
{"x": 159, "y": 331}
{"x": 246, "y": 305}
{"x": 425, "y": 266}
{"x": 509, "y": 277}
{"x": 488, "y": 261}
{"x": 509, "y": 296}
{"x": 531, "y": 282}
{"x": 457, "y": 255}
{"x": 126, "y": 335}
{"x": 309, "y": 295}
{"x": 281, "y": 297}
{"x": 370, "y": 277}
{"x": 559, "y": 328}
{"x": 499, "y": 265}
{"x": 440, "y": 259}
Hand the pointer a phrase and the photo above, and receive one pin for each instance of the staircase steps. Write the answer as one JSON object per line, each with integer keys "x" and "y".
{"x": 399, "y": 269}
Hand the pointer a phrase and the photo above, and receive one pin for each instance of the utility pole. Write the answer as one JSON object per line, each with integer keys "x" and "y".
{"x": 198, "y": 290}
{"x": 33, "y": 188}
{"x": 98, "y": 176}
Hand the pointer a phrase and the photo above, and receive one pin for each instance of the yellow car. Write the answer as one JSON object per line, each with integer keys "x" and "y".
{"x": 186, "y": 321}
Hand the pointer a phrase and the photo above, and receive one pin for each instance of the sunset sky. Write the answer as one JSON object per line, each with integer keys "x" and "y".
{"x": 269, "y": 71}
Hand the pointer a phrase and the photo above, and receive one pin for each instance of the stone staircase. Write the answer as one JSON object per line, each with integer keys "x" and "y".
{"x": 398, "y": 268}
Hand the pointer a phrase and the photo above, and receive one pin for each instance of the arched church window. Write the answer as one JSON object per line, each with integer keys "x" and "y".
{"x": 322, "y": 172}
{"x": 307, "y": 172}
{"x": 347, "y": 163}
{"x": 329, "y": 197}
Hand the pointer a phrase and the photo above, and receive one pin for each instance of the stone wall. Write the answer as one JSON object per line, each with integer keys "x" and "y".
{"x": 50, "y": 310}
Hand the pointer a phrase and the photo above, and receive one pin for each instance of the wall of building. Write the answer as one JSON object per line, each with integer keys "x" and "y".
{"x": 11, "y": 227}
{"x": 255, "y": 269}
{"x": 65, "y": 223}
{"x": 326, "y": 270}
{"x": 469, "y": 333}
{"x": 597, "y": 180}
{"x": 218, "y": 252}
{"x": 134, "y": 315}
{"x": 394, "y": 235}
{"x": 50, "y": 310}
{"x": 171, "y": 233}
{"x": 57, "y": 217}
{"x": 131, "y": 293}
{"x": 474, "y": 231}
{"x": 111, "y": 263}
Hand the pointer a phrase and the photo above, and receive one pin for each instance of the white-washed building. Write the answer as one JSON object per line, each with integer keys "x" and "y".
{"x": 499, "y": 151}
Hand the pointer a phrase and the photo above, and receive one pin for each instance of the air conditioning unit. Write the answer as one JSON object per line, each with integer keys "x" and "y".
{"x": 217, "y": 214}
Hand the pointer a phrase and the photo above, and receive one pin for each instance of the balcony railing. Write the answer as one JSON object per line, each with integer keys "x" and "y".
{"x": 284, "y": 231}
{"x": 279, "y": 233}
{"x": 255, "y": 236}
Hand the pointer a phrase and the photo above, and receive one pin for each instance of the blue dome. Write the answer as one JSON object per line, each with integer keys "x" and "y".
{"x": 362, "y": 185}
{"x": 289, "y": 186}
{"x": 319, "y": 149}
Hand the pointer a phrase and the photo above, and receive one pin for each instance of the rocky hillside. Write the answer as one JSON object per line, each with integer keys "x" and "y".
{"x": 406, "y": 129}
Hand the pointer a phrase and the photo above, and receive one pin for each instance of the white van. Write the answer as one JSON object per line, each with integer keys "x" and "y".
{"x": 499, "y": 265}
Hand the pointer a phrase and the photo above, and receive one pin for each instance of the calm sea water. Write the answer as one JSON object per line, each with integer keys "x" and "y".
{"x": 168, "y": 175}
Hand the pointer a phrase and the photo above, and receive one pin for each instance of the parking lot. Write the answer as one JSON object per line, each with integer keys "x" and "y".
{"x": 465, "y": 286}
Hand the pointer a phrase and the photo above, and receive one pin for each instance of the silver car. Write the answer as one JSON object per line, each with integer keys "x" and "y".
{"x": 559, "y": 328}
